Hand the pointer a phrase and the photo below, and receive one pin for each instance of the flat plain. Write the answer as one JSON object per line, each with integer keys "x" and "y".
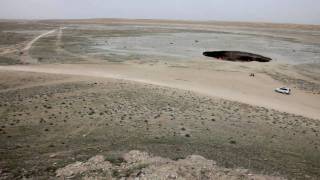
{"x": 73, "y": 89}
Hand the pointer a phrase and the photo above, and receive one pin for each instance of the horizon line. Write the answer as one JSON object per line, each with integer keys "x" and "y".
{"x": 158, "y": 19}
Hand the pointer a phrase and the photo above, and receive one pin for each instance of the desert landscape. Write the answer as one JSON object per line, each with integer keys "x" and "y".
{"x": 119, "y": 98}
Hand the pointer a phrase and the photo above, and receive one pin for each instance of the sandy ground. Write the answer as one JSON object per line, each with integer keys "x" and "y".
{"x": 49, "y": 121}
{"x": 236, "y": 86}
{"x": 110, "y": 86}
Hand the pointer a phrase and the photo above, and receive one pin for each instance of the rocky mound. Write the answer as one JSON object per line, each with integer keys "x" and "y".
{"x": 141, "y": 165}
{"x": 236, "y": 56}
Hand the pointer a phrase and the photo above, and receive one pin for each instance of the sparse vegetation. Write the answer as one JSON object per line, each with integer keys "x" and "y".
{"x": 48, "y": 121}
{"x": 68, "y": 117}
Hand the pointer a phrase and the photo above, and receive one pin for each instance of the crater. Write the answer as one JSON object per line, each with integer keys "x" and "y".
{"x": 236, "y": 56}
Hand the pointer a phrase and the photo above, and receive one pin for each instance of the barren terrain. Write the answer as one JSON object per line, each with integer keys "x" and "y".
{"x": 71, "y": 90}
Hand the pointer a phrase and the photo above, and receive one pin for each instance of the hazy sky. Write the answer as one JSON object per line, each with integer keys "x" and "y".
{"x": 294, "y": 11}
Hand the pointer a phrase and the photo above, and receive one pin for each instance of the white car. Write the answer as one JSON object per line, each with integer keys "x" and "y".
{"x": 283, "y": 90}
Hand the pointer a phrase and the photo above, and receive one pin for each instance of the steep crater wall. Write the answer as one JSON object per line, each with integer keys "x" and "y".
{"x": 236, "y": 56}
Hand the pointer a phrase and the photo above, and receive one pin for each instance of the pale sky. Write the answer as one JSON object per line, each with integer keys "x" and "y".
{"x": 288, "y": 11}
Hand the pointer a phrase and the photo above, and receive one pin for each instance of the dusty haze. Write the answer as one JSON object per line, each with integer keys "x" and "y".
{"x": 286, "y": 11}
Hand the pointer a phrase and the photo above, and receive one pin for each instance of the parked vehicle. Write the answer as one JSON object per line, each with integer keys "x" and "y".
{"x": 283, "y": 90}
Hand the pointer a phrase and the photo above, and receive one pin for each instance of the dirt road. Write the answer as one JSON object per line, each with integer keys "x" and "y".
{"x": 29, "y": 45}
{"x": 25, "y": 57}
{"x": 235, "y": 86}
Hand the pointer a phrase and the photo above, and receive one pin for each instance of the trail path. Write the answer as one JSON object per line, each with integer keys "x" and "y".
{"x": 235, "y": 86}
{"x": 29, "y": 45}
{"x": 25, "y": 57}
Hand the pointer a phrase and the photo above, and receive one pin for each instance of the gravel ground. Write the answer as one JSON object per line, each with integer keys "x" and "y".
{"x": 52, "y": 121}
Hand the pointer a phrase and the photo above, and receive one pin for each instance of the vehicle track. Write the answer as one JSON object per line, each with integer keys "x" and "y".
{"x": 25, "y": 56}
{"x": 231, "y": 86}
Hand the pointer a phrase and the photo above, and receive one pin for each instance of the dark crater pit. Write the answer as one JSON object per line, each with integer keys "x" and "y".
{"x": 236, "y": 56}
